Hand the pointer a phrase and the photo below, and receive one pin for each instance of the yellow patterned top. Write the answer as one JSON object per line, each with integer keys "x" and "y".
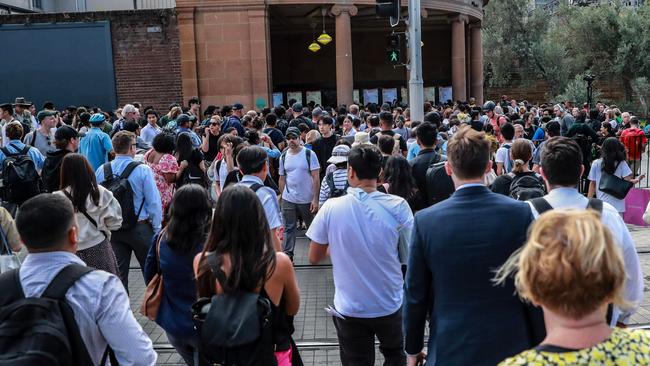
{"x": 622, "y": 348}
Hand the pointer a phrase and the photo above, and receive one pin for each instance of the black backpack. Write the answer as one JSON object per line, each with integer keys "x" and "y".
{"x": 526, "y": 187}
{"x": 20, "y": 179}
{"x": 439, "y": 184}
{"x": 121, "y": 188}
{"x": 235, "y": 328}
{"x": 41, "y": 330}
{"x": 335, "y": 192}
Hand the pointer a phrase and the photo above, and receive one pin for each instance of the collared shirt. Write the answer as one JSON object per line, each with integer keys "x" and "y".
{"x": 100, "y": 305}
{"x": 268, "y": 198}
{"x": 196, "y": 141}
{"x": 363, "y": 246}
{"x": 571, "y": 198}
{"x": 33, "y": 153}
{"x": 468, "y": 185}
{"x": 149, "y": 132}
{"x": 144, "y": 188}
{"x": 95, "y": 147}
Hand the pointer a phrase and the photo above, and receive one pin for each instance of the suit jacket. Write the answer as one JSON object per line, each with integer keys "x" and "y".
{"x": 456, "y": 246}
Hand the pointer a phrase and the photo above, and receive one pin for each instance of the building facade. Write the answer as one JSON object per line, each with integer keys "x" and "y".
{"x": 256, "y": 52}
{"x": 67, "y": 6}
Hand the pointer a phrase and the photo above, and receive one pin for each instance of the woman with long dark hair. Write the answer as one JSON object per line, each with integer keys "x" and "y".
{"x": 241, "y": 242}
{"x": 171, "y": 254}
{"x": 613, "y": 162}
{"x": 398, "y": 180}
{"x": 190, "y": 161}
{"x": 97, "y": 211}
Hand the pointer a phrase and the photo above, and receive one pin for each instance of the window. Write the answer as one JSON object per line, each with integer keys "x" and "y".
{"x": 37, "y": 4}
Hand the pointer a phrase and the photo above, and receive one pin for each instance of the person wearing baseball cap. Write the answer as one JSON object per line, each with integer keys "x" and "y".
{"x": 298, "y": 168}
{"x": 335, "y": 183}
{"x": 96, "y": 145}
{"x": 66, "y": 140}
{"x": 299, "y": 118}
{"x": 234, "y": 119}
{"x": 41, "y": 138}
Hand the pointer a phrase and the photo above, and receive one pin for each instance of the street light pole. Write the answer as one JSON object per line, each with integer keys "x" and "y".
{"x": 416, "y": 85}
{"x": 590, "y": 89}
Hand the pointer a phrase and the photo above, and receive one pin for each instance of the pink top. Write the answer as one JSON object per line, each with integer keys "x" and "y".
{"x": 166, "y": 165}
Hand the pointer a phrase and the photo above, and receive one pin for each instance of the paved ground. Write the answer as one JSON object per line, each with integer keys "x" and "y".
{"x": 315, "y": 332}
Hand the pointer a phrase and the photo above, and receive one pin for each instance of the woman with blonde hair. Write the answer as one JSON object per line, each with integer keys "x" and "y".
{"x": 521, "y": 183}
{"x": 573, "y": 269}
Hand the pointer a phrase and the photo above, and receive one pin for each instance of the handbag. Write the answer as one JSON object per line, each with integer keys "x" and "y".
{"x": 8, "y": 260}
{"x": 154, "y": 292}
{"x": 614, "y": 186}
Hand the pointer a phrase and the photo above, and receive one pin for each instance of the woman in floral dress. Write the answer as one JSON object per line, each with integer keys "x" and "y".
{"x": 164, "y": 166}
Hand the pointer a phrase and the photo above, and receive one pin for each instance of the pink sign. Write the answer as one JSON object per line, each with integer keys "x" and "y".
{"x": 635, "y": 204}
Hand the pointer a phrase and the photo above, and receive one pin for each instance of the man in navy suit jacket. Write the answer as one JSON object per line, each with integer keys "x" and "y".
{"x": 456, "y": 246}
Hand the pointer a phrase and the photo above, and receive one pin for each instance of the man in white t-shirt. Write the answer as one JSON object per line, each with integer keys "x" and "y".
{"x": 361, "y": 231}
{"x": 299, "y": 186}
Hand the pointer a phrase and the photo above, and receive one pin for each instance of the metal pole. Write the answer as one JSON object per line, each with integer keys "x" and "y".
{"x": 416, "y": 91}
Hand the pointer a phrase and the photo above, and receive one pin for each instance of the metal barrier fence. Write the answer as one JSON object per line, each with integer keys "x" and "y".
{"x": 637, "y": 157}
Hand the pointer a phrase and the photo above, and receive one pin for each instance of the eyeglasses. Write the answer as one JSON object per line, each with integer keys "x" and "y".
{"x": 292, "y": 137}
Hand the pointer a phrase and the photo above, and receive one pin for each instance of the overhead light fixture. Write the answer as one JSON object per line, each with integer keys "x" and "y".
{"x": 324, "y": 38}
{"x": 313, "y": 47}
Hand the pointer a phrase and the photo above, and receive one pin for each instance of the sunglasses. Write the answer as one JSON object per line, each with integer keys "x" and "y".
{"x": 214, "y": 124}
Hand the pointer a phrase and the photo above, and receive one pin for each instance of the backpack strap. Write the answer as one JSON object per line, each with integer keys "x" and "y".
{"x": 329, "y": 179}
{"x": 283, "y": 158}
{"x": 64, "y": 280}
{"x": 308, "y": 157}
{"x": 24, "y": 151}
{"x": 256, "y": 187}
{"x": 129, "y": 169}
{"x": 12, "y": 290}
{"x": 108, "y": 171}
{"x": 595, "y": 204}
{"x": 6, "y": 151}
{"x": 83, "y": 211}
{"x": 541, "y": 205}
{"x": 215, "y": 266}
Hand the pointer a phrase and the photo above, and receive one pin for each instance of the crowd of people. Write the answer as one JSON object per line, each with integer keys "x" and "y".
{"x": 211, "y": 205}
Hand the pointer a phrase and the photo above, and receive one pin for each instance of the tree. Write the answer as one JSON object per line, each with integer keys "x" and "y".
{"x": 609, "y": 40}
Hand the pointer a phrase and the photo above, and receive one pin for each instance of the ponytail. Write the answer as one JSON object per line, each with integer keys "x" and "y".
{"x": 519, "y": 166}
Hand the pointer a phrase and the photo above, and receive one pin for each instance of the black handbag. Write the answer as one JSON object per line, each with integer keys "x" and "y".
{"x": 614, "y": 186}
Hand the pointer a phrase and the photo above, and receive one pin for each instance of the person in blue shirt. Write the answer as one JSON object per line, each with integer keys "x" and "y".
{"x": 171, "y": 254}
{"x": 14, "y": 131}
{"x": 46, "y": 224}
{"x": 183, "y": 126}
{"x": 234, "y": 120}
{"x": 252, "y": 162}
{"x": 146, "y": 203}
{"x": 96, "y": 145}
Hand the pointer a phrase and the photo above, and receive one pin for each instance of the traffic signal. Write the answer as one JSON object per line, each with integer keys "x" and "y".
{"x": 389, "y": 8}
{"x": 393, "y": 49}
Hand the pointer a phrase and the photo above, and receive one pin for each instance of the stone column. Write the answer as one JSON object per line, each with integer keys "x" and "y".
{"x": 343, "y": 34}
{"x": 476, "y": 69}
{"x": 187, "y": 43}
{"x": 458, "y": 77}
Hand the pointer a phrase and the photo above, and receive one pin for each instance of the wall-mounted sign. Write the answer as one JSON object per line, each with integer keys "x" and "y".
{"x": 315, "y": 96}
{"x": 370, "y": 96}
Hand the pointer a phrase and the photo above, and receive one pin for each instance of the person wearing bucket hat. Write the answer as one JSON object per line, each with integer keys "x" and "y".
{"x": 335, "y": 183}
{"x": 96, "y": 145}
{"x": 361, "y": 138}
{"x": 298, "y": 167}
{"x": 22, "y": 115}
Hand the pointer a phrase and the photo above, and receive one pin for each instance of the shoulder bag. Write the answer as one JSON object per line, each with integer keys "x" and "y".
{"x": 154, "y": 292}
{"x": 614, "y": 186}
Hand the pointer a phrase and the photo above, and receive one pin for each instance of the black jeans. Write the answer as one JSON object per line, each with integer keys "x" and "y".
{"x": 357, "y": 340}
{"x": 136, "y": 240}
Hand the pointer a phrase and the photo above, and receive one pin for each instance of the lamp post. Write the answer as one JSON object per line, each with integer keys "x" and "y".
{"x": 589, "y": 78}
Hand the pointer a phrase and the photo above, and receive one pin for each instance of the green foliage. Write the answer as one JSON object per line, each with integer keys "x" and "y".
{"x": 576, "y": 91}
{"x": 560, "y": 45}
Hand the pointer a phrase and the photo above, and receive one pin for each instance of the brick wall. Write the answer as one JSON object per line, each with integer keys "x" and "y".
{"x": 146, "y": 54}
